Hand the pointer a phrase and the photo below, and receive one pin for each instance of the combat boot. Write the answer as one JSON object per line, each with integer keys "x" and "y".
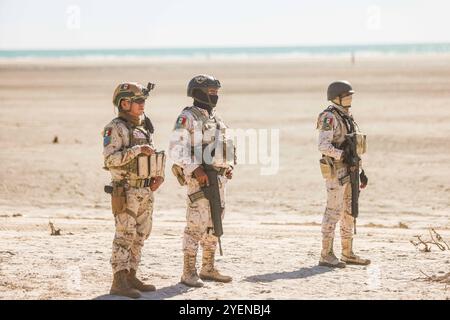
{"x": 208, "y": 271}
{"x": 190, "y": 276}
{"x": 138, "y": 284}
{"x": 120, "y": 286}
{"x": 349, "y": 257}
{"x": 327, "y": 257}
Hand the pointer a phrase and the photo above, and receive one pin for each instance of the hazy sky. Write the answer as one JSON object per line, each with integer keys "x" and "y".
{"x": 65, "y": 24}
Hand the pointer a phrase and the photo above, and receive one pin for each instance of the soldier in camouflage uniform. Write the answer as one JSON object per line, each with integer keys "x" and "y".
{"x": 196, "y": 125}
{"x": 125, "y": 139}
{"x": 333, "y": 124}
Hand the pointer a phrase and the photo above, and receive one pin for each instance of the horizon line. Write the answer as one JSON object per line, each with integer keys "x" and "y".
{"x": 355, "y": 45}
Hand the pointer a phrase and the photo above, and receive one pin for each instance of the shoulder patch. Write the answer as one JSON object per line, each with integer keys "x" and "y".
{"x": 327, "y": 123}
{"x": 107, "y": 136}
{"x": 181, "y": 122}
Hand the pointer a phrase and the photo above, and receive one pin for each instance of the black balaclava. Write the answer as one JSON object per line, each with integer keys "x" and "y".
{"x": 201, "y": 100}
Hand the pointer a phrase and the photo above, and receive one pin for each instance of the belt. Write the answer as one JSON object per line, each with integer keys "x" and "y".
{"x": 138, "y": 183}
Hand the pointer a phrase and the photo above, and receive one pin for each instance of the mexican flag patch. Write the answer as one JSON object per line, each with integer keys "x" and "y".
{"x": 107, "y": 132}
{"x": 181, "y": 122}
{"x": 327, "y": 123}
{"x": 107, "y": 137}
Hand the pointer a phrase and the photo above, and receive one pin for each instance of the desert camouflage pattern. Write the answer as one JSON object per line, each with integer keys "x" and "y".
{"x": 122, "y": 145}
{"x": 194, "y": 127}
{"x": 194, "y": 121}
{"x": 133, "y": 227}
{"x": 339, "y": 204}
{"x": 199, "y": 225}
{"x": 332, "y": 133}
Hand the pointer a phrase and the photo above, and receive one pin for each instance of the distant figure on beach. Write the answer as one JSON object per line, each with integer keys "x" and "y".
{"x": 341, "y": 145}
{"x": 128, "y": 149}
{"x": 203, "y": 161}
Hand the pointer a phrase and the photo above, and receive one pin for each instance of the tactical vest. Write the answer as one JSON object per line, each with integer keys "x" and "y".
{"x": 351, "y": 127}
{"x": 211, "y": 137}
{"x": 142, "y": 136}
{"x": 137, "y": 135}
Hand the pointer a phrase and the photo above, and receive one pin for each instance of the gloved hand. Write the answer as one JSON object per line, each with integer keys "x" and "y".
{"x": 155, "y": 183}
{"x": 147, "y": 150}
{"x": 364, "y": 180}
{"x": 229, "y": 173}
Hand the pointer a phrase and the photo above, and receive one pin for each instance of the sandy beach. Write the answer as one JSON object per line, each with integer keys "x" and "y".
{"x": 272, "y": 233}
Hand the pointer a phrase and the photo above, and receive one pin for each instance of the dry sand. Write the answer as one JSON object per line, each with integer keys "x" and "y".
{"x": 272, "y": 225}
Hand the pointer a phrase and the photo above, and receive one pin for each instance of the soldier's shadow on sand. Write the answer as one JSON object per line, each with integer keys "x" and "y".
{"x": 298, "y": 274}
{"x": 159, "y": 294}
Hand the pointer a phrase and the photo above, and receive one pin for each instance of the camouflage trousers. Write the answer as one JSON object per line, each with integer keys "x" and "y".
{"x": 339, "y": 207}
{"x": 133, "y": 227}
{"x": 198, "y": 228}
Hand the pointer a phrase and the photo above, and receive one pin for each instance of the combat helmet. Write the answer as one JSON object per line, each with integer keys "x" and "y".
{"x": 132, "y": 91}
{"x": 338, "y": 88}
{"x": 198, "y": 89}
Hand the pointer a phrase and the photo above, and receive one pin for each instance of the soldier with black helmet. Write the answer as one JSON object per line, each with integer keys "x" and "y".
{"x": 334, "y": 124}
{"x": 198, "y": 128}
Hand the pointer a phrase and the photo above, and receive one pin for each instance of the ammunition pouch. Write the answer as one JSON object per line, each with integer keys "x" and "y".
{"x": 193, "y": 197}
{"x": 145, "y": 167}
{"x": 221, "y": 153}
{"x": 225, "y": 156}
{"x": 361, "y": 144}
{"x": 327, "y": 168}
{"x": 345, "y": 179}
{"x": 179, "y": 174}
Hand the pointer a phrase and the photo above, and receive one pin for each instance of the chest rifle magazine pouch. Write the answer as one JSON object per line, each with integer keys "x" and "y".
{"x": 361, "y": 144}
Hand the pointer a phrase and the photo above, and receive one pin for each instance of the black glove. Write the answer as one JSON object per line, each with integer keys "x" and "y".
{"x": 363, "y": 178}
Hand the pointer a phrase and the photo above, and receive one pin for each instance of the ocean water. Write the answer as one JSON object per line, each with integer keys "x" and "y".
{"x": 239, "y": 52}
